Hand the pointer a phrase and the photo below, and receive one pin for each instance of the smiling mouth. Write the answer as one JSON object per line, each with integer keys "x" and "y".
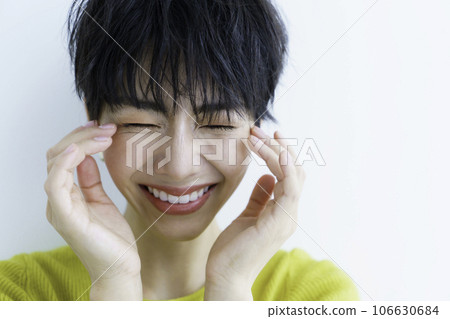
{"x": 185, "y": 203}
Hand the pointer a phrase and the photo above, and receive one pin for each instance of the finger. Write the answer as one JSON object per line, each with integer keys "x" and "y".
{"x": 80, "y": 134}
{"x": 289, "y": 190}
{"x": 299, "y": 168}
{"x": 279, "y": 138}
{"x": 270, "y": 142}
{"x": 260, "y": 196}
{"x": 53, "y": 151}
{"x": 267, "y": 154}
{"x": 279, "y": 220}
{"x": 75, "y": 196}
{"x": 89, "y": 147}
{"x": 59, "y": 183}
{"x": 49, "y": 212}
{"x": 90, "y": 182}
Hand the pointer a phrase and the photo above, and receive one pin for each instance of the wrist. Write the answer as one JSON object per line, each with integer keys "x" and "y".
{"x": 120, "y": 288}
{"x": 227, "y": 292}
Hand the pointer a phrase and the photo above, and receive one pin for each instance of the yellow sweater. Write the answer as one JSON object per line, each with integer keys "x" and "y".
{"x": 58, "y": 274}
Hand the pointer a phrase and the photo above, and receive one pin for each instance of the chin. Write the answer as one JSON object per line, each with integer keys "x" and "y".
{"x": 181, "y": 230}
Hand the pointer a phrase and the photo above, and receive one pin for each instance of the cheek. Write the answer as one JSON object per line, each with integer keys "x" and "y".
{"x": 115, "y": 160}
{"x": 236, "y": 152}
{"x": 233, "y": 164}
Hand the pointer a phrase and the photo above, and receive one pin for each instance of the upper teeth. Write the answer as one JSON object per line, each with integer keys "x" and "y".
{"x": 186, "y": 198}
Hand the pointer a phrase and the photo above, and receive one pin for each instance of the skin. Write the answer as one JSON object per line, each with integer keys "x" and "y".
{"x": 188, "y": 239}
{"x": 175, "y": 255}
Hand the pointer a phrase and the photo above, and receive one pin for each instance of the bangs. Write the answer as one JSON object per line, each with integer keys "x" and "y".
{"x": 154, "y": 86}
{"x": 221, "y": 55}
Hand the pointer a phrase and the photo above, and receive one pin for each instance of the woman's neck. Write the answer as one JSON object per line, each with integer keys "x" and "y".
{"x": 169, "y": 268}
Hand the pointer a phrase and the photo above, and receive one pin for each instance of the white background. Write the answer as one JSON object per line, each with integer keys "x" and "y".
{"x": 372, "y": 91}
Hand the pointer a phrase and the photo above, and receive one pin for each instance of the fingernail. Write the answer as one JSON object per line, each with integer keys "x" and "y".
{"x": 89, "y": 124}
{"x": 69, "y": 149}
{"x": 259, "y": 131}
{"x": 101, "y": 138}
{"x": 106, "y": 126}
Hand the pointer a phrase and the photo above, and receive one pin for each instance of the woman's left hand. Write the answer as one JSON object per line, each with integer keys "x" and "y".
{"x": 247, "y": 244}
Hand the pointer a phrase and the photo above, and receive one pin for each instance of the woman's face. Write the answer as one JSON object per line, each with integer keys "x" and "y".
{"x": 194, "y": 156}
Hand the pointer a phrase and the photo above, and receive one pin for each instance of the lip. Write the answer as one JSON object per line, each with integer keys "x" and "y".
{"x": 178, "y": 209}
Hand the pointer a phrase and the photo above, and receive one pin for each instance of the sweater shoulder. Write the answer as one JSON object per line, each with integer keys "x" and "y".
{"x": 55, "y": 274}
{"x": 295, "y": 275}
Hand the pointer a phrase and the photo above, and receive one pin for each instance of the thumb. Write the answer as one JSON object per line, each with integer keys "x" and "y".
{"x": 260, "y": 196}
{"x": 90, "y": 182}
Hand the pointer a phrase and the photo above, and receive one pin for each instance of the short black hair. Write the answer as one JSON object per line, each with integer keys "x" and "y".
{"x": 233, "y": 48}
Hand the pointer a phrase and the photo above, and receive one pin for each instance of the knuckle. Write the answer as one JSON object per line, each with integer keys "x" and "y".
{"x": 50, "y": 153}
{"x": 49, "y": 165}
{"x": 48, "y": 187}
{"x": 291, "y": 195}
{"x": 48, "y": 213}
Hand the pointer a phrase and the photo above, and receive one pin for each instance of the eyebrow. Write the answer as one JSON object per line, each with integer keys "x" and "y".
{"x": 146, "y": 105}
{"x": 156, "y": 107}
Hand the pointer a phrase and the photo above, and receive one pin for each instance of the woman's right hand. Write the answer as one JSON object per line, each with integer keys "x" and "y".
{"x": 86, "y": 217}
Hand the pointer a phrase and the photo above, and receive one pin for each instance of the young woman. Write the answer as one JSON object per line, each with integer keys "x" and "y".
{"x": 176, "y": 77}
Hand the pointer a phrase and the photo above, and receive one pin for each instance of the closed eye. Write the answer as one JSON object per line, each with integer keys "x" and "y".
{"x": 219, "y": 127}
{"x": 137, "y": 125}
{"x": 211, "y": 127}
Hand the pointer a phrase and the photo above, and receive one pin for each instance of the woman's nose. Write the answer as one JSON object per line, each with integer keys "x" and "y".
{"x": 175, "y": 158}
